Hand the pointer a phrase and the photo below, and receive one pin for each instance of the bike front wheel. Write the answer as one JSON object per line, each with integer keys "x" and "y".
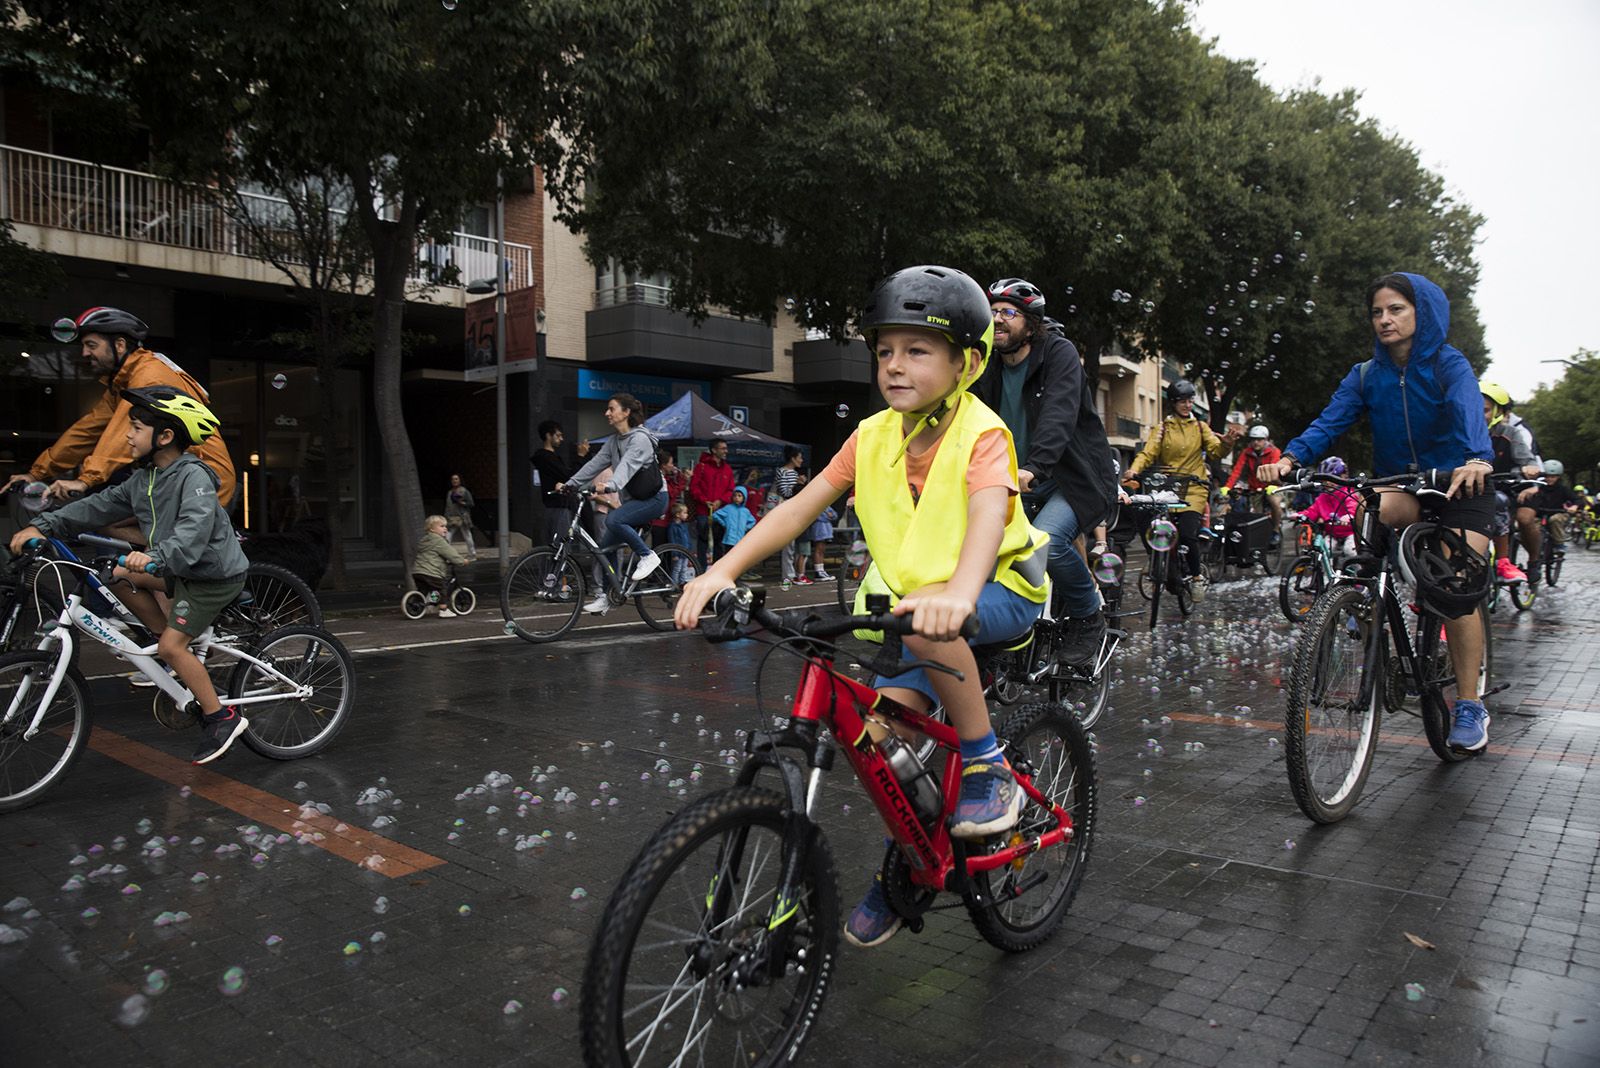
{"x": 1051, "y": 742}
{"x": 1157, "y": 575}
{"x": 681, "y": 969}
{"x": 540, "y": 595}
{"x": 656, "y": 595}
{"x": 1335, "y": 698}
{"x": 463, "y": 601}
{"x": 1552, "y": 567}
{"x": 1300, "y": 587}
{"x": 292, "y": 726}
{"x": 29, "y": 767}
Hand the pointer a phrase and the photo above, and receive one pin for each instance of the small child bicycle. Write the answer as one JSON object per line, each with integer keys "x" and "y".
{"x": 718, "y": 943}
{"x": 297, "y": 681}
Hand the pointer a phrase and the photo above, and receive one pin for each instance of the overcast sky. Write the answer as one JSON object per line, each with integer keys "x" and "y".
{"x": 1499, "y": 98}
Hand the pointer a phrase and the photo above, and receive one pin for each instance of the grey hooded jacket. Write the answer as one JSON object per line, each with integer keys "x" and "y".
{"x": 189, "y": 534}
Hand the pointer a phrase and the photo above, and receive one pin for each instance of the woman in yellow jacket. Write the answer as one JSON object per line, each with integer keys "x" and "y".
{"x": 1182, "y": 445}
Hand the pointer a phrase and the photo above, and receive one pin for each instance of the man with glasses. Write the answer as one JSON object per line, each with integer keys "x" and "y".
{"x": 1064, "y": 469}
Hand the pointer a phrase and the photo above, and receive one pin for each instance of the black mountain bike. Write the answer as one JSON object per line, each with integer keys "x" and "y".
{"x": 1354, "y": 656}
{"x": 545, "y": 589}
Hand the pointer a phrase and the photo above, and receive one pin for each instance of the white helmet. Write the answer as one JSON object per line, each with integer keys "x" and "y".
{"x": 1259, "y": 433}
{"x": 1554, "y": 467}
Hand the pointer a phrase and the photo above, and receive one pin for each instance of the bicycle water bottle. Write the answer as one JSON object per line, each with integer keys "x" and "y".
{"x": 916, "y": 780}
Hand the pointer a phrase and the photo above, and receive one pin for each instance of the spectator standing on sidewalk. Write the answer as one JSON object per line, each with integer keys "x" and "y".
{"x": 458, "y": 504}
{"x": 785, "y": 484}
{"x": 551, "y": 470}
{"x": 710, "y": 487}
{"x": 677, "y": 481}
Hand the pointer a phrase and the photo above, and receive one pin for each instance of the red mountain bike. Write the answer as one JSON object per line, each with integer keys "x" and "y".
{"x": 719, "y": 941}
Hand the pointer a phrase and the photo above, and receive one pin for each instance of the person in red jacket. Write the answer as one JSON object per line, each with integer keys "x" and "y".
{"x": 710, "y": 487}
{"x": 1260, "y": 452}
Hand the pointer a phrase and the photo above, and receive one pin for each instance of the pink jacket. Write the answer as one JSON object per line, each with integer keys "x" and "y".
{"x": 1337, "y": 508}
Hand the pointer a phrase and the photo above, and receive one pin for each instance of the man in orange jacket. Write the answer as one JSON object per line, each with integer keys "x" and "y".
{"x": 96, "y": 445}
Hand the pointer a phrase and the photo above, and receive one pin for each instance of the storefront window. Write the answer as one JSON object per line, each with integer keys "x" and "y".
{"x": 271, "y": 417}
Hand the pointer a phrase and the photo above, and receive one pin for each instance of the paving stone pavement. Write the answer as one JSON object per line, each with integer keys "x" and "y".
{"x": 1216, "y": 925}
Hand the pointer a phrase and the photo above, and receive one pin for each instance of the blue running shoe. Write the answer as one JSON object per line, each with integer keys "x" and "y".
{"x": 991, "y": 801}
{"x": 873, "y": 922}
{"x": 1471, "y": 731}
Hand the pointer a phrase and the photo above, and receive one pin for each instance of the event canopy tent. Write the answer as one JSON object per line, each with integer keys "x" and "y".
{"x": 691, "y": 419}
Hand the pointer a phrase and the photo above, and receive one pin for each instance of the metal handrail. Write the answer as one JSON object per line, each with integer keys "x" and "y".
{"x": 40, "y": 189}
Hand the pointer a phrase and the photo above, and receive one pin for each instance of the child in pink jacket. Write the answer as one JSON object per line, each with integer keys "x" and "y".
{"x": 1336, "y": 508}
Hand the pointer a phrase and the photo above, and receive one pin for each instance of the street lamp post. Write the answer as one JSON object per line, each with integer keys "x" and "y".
{"x": 502, "y": 534}
{"x": 497, "y": 285}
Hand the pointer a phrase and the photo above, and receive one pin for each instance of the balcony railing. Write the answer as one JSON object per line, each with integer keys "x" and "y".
{"x": 633, "y": 293}
{"x": 39, "y": 189}
{"x": 1129, "y": 428}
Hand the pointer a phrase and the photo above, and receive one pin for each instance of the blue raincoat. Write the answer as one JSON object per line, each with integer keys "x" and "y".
{"x": 1428, "y": 414}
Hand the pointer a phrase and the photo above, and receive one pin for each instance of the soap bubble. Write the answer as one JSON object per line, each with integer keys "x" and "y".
{"x": 464, "y": 910}
{"x": 1414, "y": 991}
{"x": 233, "y": 981}
{"x": 514, "y": 1006}
{"x": 1118, "y": 239}
{"x": 134, "y": 1011}
{"x": 156, "y": 982}
{"x": 280, "y": 380}
{"x": 351, "y": 948}
{"x": 1243, "y": 286}
{"x": 448, "y": 5}
{"x": 559, "y": 994}
{"x": 1310, "y": 306}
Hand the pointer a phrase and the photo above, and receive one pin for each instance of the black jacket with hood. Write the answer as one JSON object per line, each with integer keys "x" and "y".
{"x": 1066, "y": 440}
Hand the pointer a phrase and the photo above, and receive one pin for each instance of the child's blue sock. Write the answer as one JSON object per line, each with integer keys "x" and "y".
{"x": 980, "y": 750}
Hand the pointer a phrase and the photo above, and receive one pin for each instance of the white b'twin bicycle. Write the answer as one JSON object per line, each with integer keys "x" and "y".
{"x": 297, "y": 682}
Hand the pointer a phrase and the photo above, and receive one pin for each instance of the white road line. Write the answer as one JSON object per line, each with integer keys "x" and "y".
{"x": 401, "y": 647}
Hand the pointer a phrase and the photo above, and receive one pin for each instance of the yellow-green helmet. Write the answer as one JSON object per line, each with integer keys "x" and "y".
{"x": 1496, "y": 393}
{"x": 191, "y": 422}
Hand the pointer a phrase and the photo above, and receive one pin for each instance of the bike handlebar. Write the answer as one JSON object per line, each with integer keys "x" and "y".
{"x": 737, "y": 607}
{"x": 1308, "y": 478}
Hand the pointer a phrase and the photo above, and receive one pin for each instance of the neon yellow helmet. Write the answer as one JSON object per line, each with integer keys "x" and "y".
{"x": 191, "y": 422}
{"x": 1496, "y": 393}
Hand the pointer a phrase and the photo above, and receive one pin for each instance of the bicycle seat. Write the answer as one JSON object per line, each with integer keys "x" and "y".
{"x": 992, "y": 649}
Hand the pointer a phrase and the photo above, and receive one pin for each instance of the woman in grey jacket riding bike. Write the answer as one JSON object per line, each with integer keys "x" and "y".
{"x": 630, "y": 453}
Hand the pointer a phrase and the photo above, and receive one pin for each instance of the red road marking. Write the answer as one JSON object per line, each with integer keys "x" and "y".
{"x": 351, "y": 843}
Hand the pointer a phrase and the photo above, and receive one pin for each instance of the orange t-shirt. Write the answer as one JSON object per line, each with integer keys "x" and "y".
{"x": 990, "y": 464}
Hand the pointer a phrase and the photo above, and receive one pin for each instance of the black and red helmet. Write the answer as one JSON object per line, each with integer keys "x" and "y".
{"x": 100, "y": 320}
{"x": 1019, "y": 291}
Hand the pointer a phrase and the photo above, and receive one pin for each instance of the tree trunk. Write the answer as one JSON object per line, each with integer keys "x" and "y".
{"x": 332, "y": 434}
{"x": 391, "y": 259}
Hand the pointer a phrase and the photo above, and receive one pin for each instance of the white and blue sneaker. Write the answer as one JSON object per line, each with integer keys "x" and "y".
{"x": 1471, "y": 732}
{"x": 991, "y": 800}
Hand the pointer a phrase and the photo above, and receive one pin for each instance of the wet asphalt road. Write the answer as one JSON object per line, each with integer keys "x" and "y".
{"x": 1216, "y": 925}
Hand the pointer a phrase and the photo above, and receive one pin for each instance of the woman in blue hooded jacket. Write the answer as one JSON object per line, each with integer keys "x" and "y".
{"x": 1422, "y": 402}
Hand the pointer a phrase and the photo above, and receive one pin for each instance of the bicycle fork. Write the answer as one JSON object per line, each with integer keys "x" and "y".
{"x": 25, "y": 687}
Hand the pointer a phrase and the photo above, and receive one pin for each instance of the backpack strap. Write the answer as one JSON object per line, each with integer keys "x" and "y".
{"x": 1365, "y": 367}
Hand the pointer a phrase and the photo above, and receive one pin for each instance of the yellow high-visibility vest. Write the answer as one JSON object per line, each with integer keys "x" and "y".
{"x": 916, "y": 542}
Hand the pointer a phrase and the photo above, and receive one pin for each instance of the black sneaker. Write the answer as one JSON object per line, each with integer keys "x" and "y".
{"x": 218, "y": 732}
{"x": 1081, "y": 641}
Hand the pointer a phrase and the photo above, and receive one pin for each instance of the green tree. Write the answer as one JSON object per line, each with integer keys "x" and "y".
{"x": 1565, "y": 419}
{"x": 31, "y": 276}
{"x": 417, "y": 106}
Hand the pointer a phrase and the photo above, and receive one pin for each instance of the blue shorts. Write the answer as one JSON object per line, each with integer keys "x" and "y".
{"x": 1003, "y": 615}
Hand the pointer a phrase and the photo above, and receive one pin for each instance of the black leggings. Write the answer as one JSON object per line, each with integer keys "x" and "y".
{"x": 1188, "y": 523}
